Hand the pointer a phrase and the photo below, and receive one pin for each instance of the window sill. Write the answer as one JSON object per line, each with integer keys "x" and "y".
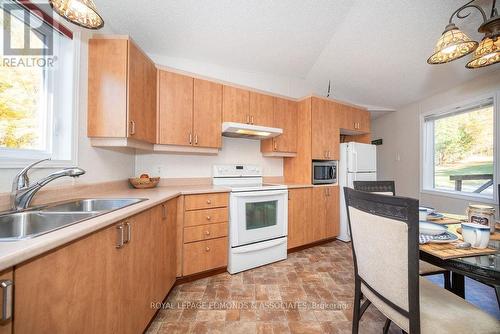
{"x": 451, "y": 194}
{"x": 21, "y": 163}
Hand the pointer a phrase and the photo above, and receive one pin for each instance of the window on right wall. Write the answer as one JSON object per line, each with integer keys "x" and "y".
{"x": 459, "y": 150}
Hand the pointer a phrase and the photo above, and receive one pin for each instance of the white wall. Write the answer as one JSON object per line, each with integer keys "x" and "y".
{"x": 276, "y": 84}
{"x": 234, "y": 151}
{"x": 399, "y": 158}
{"x": 100, "y": 164}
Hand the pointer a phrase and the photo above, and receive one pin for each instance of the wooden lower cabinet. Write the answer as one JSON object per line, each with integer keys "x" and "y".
{"x": 325, "y": 218}
{"x": 204, "y": 255}
{"x": 97, "y": 285}
{"x": 5, "y": 327}
{"x": 299, "y": 217}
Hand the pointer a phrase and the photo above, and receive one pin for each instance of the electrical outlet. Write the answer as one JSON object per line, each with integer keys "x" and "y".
{"x": 159, "y": 170}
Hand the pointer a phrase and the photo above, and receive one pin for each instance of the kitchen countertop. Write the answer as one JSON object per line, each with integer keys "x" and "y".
{"x": 16, "y": 252}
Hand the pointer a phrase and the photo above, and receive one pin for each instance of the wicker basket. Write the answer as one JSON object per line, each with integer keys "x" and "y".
{"x": 144, "y": 182}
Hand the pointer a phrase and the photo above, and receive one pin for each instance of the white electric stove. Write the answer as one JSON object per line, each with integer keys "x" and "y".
{"x": 258, "y": 217}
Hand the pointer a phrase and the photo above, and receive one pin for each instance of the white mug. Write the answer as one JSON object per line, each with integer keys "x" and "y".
{"x": 476, "y": 234}
{"x": 422, "y": 214}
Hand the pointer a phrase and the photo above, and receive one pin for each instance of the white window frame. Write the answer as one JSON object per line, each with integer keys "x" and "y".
{"x": 13, "y": 158}
{"x": 427, "y": 165}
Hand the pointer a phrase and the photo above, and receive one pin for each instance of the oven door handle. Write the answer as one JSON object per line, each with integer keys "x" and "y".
{"x": 260, "y": 193}
{"x": 258, "y": 246}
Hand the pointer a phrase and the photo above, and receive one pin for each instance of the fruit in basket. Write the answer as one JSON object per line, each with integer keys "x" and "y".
{"x": 144, "y": 181}
{"x": 144, "y": 176}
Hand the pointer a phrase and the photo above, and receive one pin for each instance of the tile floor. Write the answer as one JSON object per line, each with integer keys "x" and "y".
{"x": 310, "y": 292}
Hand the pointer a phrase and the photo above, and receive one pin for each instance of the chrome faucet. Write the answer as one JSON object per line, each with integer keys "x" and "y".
{"x": 22, "y": 193}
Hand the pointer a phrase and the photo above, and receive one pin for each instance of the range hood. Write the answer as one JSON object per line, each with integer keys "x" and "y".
{"x": 241, "y": 130}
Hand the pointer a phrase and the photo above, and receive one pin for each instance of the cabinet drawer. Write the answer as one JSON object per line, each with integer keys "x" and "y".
{"x": 209, "y": 216}
{"x": 205, "y": 232}
{"x": 205, "y": 201}
{"x": 204, "y": 255}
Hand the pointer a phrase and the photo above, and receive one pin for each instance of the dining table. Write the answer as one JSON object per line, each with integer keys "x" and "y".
{"x": 483, "y": 268}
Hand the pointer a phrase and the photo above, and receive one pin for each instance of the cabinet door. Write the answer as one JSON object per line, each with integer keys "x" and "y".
{"x": 5, "y": 327}
{"x": 285, "y": 117}
{"x": 207, "y": 113}
{"x": 141, "y": 96}
{"x": 299, "y": 217}
{"x": 320, "y": 123}
{"x": 334, "y": 143}
{"x": 235, "y": 105}
{"x": 332, "y": 212}
{"x": 107, "y": 88}
{"x": 261, "y": 109}
{"x": 175, "y": 109}
{"x": 364, "y": 121}
{"x": 139, "y": 271}
{"x": 76, "y": 288}
{"x": 319, "y": 213}
{"x": 170, "y": 228}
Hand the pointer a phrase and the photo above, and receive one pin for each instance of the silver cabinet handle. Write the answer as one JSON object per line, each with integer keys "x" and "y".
{"x": 129, "y": 233}
{"x": 7, "y": 296}
{"x": 248, "y": 119}
{"x": 132, "y": 127}
{"x": 275, "y": 145}
{"x": 196, "y": 139}
{"x": 251, "y": 119}
{"x": 190, "y": 138}
{"x": 119, "y": 243}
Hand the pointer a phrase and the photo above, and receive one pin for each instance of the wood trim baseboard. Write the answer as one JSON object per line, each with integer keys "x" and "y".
{"x": 314, "y": 244}
{"x": 195, "y": 277}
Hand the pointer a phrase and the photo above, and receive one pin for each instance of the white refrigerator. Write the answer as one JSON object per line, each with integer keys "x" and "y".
{"x": 358, "y": 162}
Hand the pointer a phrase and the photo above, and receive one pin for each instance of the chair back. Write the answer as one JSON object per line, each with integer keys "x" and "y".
{"x": 384, "y": 232}
{"x": 378, "y": 187}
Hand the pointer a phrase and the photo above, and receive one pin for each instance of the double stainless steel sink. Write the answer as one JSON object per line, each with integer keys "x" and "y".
{"x": 40, "y": 220}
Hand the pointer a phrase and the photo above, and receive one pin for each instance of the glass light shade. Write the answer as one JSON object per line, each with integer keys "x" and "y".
{"x": 452, "y": 44}
{"x": 80, "y": 12}
{"x": 487, "y": 53}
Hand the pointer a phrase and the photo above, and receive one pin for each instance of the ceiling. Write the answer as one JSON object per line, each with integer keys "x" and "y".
{"x": 374, "y": 52}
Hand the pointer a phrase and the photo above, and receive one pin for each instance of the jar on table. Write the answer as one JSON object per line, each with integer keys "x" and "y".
{"x": 482, "y": 214}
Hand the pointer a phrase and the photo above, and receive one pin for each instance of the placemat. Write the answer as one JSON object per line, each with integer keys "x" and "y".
{"x": 448, "y": 251}
{"x": 494, "y": 236}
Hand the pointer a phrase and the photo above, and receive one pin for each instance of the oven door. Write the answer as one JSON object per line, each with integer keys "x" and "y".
{"x": 258, "y": 216}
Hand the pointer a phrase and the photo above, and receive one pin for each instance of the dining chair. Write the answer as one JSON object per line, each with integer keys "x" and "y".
{"x": 385, "y": 248}
{"x": 389, "y": 188}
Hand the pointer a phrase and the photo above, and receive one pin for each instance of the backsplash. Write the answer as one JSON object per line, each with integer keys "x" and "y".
{"x": 234, "y": 151}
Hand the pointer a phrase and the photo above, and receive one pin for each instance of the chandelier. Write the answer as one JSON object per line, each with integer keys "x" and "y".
{"x": 80, "y": 12}
{"x": 454, "y": 43}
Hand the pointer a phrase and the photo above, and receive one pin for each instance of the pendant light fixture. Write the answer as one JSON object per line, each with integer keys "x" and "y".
{"x": 454, "y": 44}
{"x": 80, "y": 12}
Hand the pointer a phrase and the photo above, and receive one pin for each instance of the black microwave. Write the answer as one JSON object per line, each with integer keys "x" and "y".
{"x": 324, "y": 172}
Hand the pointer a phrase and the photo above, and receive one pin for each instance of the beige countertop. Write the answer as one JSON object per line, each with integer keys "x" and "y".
{"x": 15, "y": 252}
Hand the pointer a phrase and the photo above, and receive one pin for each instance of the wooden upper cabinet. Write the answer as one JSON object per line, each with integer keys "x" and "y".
{"x": 207, "y": 113}
{"x": 325, "y": 135}
{"x": 142, "y": 95}
{"x": 355, "y": 119}
{"x": 261, "y": 109}
{"x": 175, "y": 109}
{"x": 235, "y": 105}
{"x": 285, "y": 113}
{"x": 121, "y": 91}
